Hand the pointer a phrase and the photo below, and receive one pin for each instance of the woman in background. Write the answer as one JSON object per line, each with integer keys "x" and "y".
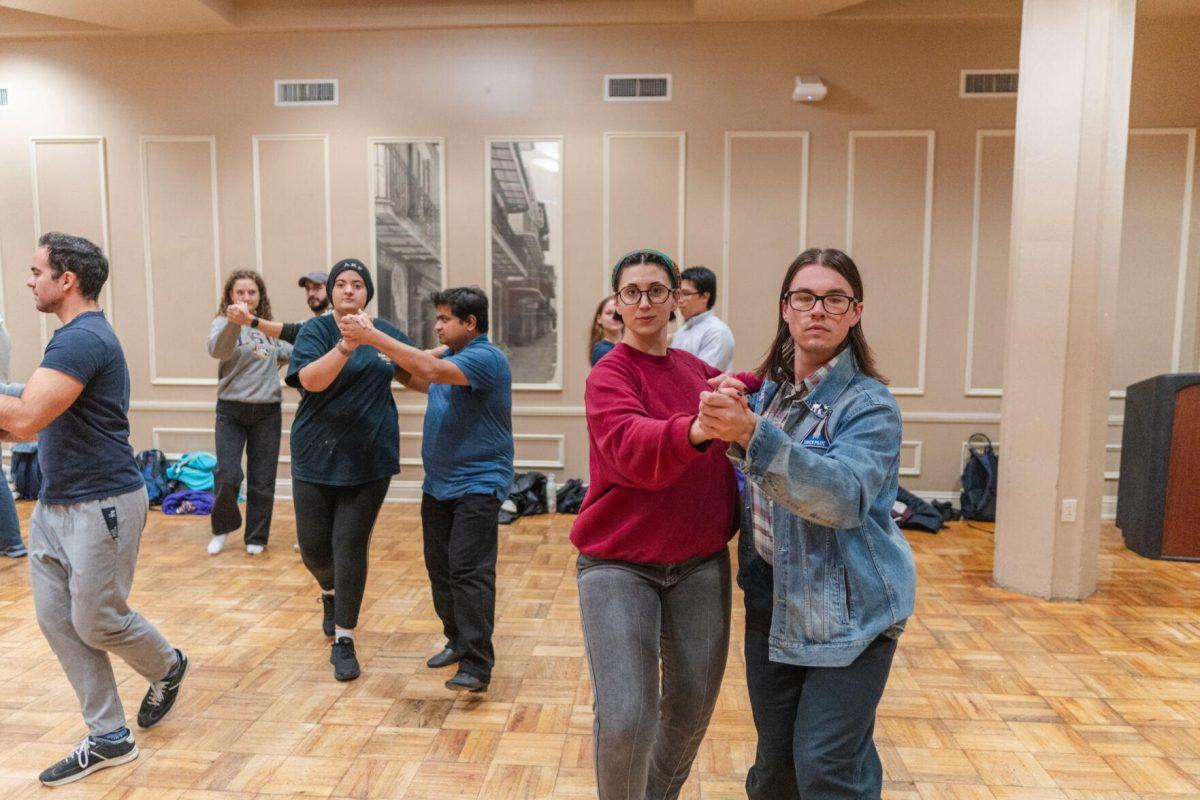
{"x": 249, "y": 415}
{"x": 607, "y": 329}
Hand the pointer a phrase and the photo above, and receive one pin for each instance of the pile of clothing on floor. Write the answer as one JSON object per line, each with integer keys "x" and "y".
{"x": 536, "y": 493}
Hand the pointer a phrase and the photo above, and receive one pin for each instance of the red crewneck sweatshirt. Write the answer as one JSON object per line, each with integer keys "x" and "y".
{"x": 653, "y": 497}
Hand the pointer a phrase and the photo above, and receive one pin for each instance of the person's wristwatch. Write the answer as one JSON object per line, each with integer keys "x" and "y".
{"x": 341, "y": 348}
{"x": 254, "y": 321}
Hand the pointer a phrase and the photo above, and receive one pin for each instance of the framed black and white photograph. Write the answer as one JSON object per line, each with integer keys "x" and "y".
{"x": 408, "y": 184}
{"x": 524, "y": 256}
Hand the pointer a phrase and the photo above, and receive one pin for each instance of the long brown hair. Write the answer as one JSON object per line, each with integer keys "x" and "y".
{"x": 264, "y": 303}
{"x": 779, "y": 362}
{"x": 598, "y": 329}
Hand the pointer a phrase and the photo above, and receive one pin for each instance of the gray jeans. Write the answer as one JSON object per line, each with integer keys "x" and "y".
{"x": 81, "y": 561}
{"x": 637, "y": 617}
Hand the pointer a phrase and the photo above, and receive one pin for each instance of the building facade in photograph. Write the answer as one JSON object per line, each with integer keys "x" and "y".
{"x": 524, "y": 289}
{"x": 408, "y": 235}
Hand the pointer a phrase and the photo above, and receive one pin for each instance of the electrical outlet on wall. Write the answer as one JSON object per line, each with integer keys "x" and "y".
{"x": 1070, "y": 509}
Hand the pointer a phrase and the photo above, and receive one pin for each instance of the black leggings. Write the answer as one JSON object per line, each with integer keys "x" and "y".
{"x": 333, "y": 526}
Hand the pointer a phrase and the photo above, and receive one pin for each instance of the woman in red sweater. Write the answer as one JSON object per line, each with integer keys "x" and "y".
{"x": 653, "y": 569}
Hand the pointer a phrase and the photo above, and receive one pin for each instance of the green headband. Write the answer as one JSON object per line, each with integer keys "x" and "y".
{"x": 672, "y": 269}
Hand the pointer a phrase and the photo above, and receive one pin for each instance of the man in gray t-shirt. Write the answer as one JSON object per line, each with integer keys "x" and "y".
{"x": 87, "y": 525}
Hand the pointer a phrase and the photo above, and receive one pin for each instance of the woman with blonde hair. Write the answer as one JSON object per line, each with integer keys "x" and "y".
{"x": 249, "y": 410}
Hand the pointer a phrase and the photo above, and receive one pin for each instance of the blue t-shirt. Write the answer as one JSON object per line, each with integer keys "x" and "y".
{"x": 600, "y": 349}
{"x": 467, "y": 447}
{"x": 347, "y": 434}
{"x": 84, "y": 454}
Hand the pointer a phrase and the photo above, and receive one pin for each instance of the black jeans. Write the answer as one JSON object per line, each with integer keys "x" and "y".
{"x": 255, "y": 429}
{"x": 333, "y": 527}
{"x": 815, "y": 724}
{"x": 460, "y": 555}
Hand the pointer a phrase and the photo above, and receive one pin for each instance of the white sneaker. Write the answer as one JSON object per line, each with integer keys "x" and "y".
{"x": 254, "y": 549}
{"x": 217, "y": 544}
{"x": 296, "y": 546}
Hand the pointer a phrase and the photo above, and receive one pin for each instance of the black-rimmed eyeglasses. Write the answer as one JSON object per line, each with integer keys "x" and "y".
{"x": 657, "y": 293}
{"x": 834, "y": 304}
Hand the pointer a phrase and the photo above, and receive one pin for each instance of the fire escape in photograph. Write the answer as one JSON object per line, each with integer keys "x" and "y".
{"x": 523, "y": 288}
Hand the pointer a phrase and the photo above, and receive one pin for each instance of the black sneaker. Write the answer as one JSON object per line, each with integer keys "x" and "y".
{"x": 345, "y": 663}
{"x": 89, "y": 756}
{"x": 160, "y": 697}
{"x": 327, "y": 619}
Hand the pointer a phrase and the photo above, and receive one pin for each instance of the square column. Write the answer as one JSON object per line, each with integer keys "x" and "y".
{"x": 1068, "y": 193}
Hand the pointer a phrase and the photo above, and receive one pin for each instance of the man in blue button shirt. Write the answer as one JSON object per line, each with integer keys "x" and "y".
{"x": 467, "y": 450}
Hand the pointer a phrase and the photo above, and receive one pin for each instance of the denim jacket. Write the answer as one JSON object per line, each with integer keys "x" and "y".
{"x": 843, "y": 572}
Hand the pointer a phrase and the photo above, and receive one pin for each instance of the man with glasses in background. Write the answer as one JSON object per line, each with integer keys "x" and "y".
{"x": 703, "y": 334}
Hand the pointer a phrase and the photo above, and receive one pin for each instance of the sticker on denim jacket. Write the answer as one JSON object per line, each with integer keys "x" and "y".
{"x": 820, "y": 410}
{"x": 817, "y": 437}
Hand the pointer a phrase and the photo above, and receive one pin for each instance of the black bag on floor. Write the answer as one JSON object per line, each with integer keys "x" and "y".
{"x": 912, "y": 512}
{"x": 570, "y": 496}
{"x": 979, "y": 478}
{"x": 526, "y": 496}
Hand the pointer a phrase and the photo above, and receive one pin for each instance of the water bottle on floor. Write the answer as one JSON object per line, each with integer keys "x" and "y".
{"x": 551, "y": 494}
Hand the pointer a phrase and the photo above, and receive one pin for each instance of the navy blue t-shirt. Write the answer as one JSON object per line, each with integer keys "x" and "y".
{"x": 347, "y": 434}
{"x": 84, "y": 454}
{"x": 467, "y": 446}
{"x": 600, "y": 349}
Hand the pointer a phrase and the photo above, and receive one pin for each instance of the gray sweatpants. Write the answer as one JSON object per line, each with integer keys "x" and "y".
{"x": 81, "y": 562}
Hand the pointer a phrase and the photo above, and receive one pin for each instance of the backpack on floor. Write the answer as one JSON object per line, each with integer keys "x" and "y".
{"x": 26, "y": 474}
{"x": 153, "y": 466}
{"x": 979, "y": 478}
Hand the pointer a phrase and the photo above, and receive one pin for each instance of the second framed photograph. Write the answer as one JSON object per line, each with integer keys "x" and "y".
{"x": 408, "y": 184}
{"x": 524, "y": 256}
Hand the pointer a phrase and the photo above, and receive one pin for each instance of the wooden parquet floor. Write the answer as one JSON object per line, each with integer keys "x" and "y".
{"x": 993, "y": 696}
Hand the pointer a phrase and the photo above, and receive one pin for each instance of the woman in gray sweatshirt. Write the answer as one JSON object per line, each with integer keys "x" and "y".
{"x": 249, "y": 415}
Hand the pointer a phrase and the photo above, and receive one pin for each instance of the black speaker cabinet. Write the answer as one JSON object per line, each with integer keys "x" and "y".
{"x": 1158, "y": 498}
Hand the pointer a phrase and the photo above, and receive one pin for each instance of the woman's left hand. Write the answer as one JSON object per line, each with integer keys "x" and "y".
{"x": 726, "y": 415}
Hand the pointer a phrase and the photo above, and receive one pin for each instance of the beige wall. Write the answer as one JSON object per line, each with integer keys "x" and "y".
{"x": 894, "y": 164}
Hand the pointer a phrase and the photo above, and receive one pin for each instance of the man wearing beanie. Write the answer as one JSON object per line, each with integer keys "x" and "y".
{"x": 345, "y": 450}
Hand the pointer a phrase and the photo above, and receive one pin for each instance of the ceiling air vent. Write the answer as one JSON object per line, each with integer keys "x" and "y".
{"x": 637, "y": 87}
{"x": 5, "y": 103}
{"x": 318, "y": 92}
{"x": 988, "y": 83}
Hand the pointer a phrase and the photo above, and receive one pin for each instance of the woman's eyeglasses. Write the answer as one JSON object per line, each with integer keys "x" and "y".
{"x": 632, "y": 295}
{"x": 835, "y": 304}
